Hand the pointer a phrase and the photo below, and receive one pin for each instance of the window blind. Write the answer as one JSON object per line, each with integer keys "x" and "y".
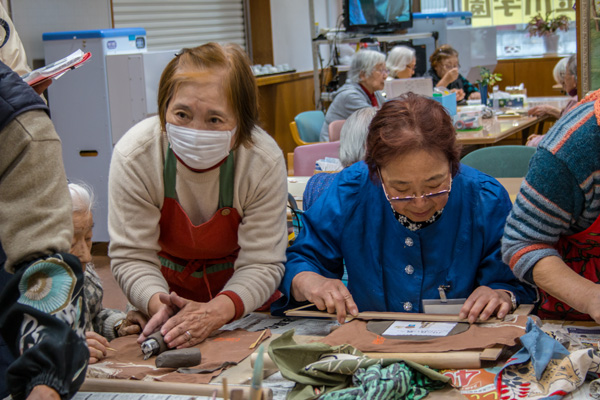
{"x": 173, "y": 24}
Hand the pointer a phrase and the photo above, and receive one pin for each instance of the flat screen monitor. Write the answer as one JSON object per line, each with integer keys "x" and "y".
{"x": 377, "y": 16}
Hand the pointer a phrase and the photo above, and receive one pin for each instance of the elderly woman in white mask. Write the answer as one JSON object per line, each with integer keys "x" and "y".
{"x": 366, "y": 79}
{"x": 197, "y": 200}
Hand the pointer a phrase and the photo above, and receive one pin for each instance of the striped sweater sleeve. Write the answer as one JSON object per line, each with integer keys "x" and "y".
{"x": 554, "y": 198}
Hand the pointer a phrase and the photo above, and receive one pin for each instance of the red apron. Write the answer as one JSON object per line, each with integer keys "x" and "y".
{"x": 581, "y": 252}
{"x": 197, "y": 261}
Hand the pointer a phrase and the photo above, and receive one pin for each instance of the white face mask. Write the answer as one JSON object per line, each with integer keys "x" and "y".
{"x": 199, "y": 149}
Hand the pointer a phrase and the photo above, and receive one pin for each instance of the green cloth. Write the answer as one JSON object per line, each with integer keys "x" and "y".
{"x": 318, "y": 368}
{"x": 395, "y": 382}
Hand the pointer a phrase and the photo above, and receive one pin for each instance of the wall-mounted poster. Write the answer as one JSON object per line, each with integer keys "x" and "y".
{"x": 588, "y": 45}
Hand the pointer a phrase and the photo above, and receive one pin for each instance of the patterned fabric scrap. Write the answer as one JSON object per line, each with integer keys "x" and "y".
{"x": 318, "y": 369}
{"x": 544, "y": 369}
{"x": 395, "y": 382}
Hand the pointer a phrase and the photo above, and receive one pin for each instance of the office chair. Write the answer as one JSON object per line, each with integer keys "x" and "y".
{"x": 306, "y": 127}
{"x": 305, "y": 157}
{"x": 335, "y": 128}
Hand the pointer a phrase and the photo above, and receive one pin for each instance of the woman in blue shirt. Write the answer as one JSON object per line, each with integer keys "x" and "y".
{"x": 408, "y": 222}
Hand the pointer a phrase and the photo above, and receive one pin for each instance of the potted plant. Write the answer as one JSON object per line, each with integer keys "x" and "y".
{"x": 546, "y": 28}
{"x": 488, "y": 79}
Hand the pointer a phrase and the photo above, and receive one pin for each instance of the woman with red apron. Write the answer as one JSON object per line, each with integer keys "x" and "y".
{"x": 198, "y": 221}
{"x": 581, "y": 252}
{"x": 197, "y": 261}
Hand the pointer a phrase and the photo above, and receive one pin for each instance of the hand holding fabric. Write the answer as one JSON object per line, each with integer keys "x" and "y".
{"x": 97, "y": 345}
{"x": 326, "y": 294}
{"x": 484, "y": 302}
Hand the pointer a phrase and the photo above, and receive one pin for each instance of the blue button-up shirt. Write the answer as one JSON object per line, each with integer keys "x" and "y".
{"x": 391, "y": 268}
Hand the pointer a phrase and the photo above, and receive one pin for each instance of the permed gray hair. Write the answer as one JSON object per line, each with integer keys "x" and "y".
{"x": 364, "y": 61}
{"x": 559, "y": 70}
{"x": 572, "y": 65}
{"x": 398, "y": 58}
{"x": 82, "y": 197}
{"x": 354, "y": 135}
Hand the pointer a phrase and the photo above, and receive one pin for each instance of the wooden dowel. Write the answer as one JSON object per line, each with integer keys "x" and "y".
{"x": 225, "y": 390}
{"x": 192, "y": 389}
{"x": 448, "y": 360}
{"x": 454, "y": 359}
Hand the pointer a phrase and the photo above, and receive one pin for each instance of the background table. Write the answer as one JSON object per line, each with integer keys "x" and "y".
{"x": 498, "y": 128}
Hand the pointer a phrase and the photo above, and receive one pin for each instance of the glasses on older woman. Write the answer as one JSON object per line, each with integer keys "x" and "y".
{"x": 407, "y": 199}
{"x": 451, "y": 66}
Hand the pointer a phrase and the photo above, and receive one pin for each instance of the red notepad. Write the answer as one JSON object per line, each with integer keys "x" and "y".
{"x": 56, "y": 69}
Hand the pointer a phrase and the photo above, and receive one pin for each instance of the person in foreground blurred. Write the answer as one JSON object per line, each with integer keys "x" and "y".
{"x": 551, "y": 236}
{"x": 352, "y": 149}
{"x": 103, "y": 324}
{"x": 408, "y": 222}
{"x": 197, "y": 200}
{"x": 401, "y": 62}
{"x": 366, "y": 79}
{"x": 444, "y": 73}
{"x": 41, "y": 318}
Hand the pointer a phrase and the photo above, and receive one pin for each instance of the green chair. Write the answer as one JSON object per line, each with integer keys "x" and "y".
{"x": 501, "y": 161}
{"x": 309, "y": 124}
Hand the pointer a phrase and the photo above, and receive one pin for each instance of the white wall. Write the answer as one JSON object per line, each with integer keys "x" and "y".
{"x": 34, "y": 17}
{"x": 290, "y": 23}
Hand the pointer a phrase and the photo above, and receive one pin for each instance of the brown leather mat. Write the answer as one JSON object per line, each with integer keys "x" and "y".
{"x": 478, "y": 336}
{"x": 127, "y": 362}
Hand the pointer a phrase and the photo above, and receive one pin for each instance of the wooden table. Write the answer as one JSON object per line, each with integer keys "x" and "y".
{"x": 498, "y": 128}
{"x": 512, "y": 186}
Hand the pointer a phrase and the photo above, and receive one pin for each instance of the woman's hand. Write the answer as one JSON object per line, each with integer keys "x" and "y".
{"x": 450, "y": 76}
{"x": 133, "y": 323}
{"x": 460, "y": 94}
{"x": 540, "y": 111}
{"x": 161, "y": 308}
{"x": 326, "y": 294}
{"x": 475, "y": 96}
{"x": 97, "y": 345}
{"x": 484, "y": 302}
{"x": 178, "y": 316}
{"x": 43, "y": 392}
{"x": 195, "y": 321}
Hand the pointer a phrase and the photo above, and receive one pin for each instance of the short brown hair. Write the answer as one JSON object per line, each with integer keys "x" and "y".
{"x": 411, "y": 122}
{"x": 441, "y": 54}
{"x": 240, "y": 84}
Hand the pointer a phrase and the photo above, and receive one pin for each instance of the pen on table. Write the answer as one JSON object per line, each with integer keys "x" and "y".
{"x": 253, "y": 345}
{"x": 257, "y": 375}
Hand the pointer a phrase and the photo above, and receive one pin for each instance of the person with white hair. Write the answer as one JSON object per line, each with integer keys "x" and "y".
{"x": 401, "y": 62}
{"x": 102, "y": 324}
{"x": 366, "y": 79}
{"x": 352, "y": 149}
{"x": 565, "y": 73}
